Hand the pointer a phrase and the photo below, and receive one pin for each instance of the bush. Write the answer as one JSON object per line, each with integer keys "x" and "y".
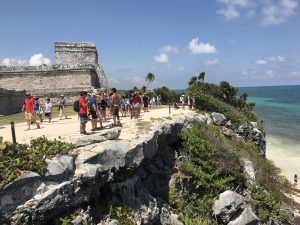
{"x": 15, "y": 159}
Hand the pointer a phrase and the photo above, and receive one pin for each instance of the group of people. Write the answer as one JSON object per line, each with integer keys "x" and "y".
{"x": 34, "y": 107}
{"x": 183, "y": 101}
{"x": 98, "y": 105}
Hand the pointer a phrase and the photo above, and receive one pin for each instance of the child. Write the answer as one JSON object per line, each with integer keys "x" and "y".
{"x": 48, "y": 109}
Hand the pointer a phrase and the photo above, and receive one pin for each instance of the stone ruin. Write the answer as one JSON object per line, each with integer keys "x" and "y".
{"x": 76, "y": 68}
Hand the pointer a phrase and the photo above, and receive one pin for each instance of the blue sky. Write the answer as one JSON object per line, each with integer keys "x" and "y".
{"x": 247, "y": 42}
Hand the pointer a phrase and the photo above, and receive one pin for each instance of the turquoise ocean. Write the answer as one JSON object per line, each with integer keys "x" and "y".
{"x": 279, "y": 107}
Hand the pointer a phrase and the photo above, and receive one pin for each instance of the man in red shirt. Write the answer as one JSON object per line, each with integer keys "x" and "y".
{"x": 28, "y": 107}
{"x": 83, "y": 110}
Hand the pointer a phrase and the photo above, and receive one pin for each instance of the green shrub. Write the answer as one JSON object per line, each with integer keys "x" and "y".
{"x": 15, "y": 159}
{"x": 124, "y": 215}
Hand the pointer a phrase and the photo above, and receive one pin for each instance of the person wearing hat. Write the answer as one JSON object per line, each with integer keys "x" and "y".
{"x": 28, "y": 108}
{"x": 61, "y": 107}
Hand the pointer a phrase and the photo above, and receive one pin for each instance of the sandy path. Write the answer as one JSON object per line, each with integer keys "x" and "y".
{"x": 66, "y": 127}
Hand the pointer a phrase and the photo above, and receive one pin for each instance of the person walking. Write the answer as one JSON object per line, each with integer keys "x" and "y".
{"x": 83, "y": 110}
{"x": 48, "y": 109}
{"x": 28, "y": 108}
{"x": 37, "y": 108}
{"x": 61, "y": 107}
{"x": 115, "y": 105}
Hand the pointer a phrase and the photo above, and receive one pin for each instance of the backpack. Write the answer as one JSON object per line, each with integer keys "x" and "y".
{"x": 76, "y": 106}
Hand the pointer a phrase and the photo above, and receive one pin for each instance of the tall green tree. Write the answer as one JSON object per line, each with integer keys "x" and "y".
{"x": 201, "y": 77}
{"x": 150, "y": 78}
{"x": 192, "y": 81}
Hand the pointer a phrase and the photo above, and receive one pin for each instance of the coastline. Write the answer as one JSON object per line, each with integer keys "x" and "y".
{"x": 283, "y": 152}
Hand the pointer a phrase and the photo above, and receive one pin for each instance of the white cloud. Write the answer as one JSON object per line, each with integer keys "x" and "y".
{"x": 261, "y": 62}
{"x": 269, "y": 74}
{"x": 229, "y": 13}
{"x": 277, "y": 12}
{"x": 271, "y": 59}
{"x": 273, "y": 12}
{"x": 38, "y": 59}
{"x": 13, "y": 62}
{"x": 169, "y": 49}
{"x": 161, "y": 58}
{"x": 35, "y": 60}
{"x": 197, "y": 47}
{"x": 211, "y": 62}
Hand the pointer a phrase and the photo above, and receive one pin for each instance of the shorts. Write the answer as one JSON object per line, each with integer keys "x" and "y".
{"x": 37, "y": 112}
{"x": 47, "y": 114}
{"x": 28, "y": 115}
{"x": 83, "y": 118}
{"x": 137, "y": 106}
{"x": 115, "y": 111}
{"x": 94, "y": 115}
{"x": 146, "y": 105}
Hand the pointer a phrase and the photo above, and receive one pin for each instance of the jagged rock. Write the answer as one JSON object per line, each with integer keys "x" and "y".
{"x": 227, "y": 132}
{"x": 254, "y": 124}
{"x": 19, "y": 190}
{"x": 256, "y": 131}
{"x": 60, "y": 168}
{"x": 246, "y": 218}
{"x": 249, "y": 169}
{"x": 175, "y": 220}
{"x": 241, "y": 129}
{"x": 228, "y": 205}
{"x": 218, "y": 118}
{"x": 83, "y": 140}
{"x": 209, "y": 119}
{"x": 113, "y": 133}
{"x": 228, "y": 124}
{"x": 113, "y": 222}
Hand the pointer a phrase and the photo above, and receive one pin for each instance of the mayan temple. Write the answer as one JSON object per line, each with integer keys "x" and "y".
{"x": 76, "y": 68}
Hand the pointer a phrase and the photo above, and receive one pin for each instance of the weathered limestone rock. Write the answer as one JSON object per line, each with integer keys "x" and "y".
{"x": 254, "y": 124}
{"x": 219, "y": 118}
{"x": 19, "y": 190}
{"x": 246, "y": 218}
{"x": 249, "y": 169}
{"x": 122, "y": 165}
{"x": 113, "y": 134}
{"x": 228, "y": 205}
{"x": 60, "y": 168}
{"x": 209, "y": 119}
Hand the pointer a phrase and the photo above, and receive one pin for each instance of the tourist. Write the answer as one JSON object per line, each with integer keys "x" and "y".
{"x": 28, "y": 108}
{"x": 127, "y": 105}
{"x": 146, "y": 102}
{"x": 98, "y": 99}
{"x": 123, "y": 106}
{"x": 102, "y": 105}
{"x": 295, "y": 179}
{"x": 193, "y": 103}
{"x": 108, "y": 101}
{"x": 61, "y": 107}
{"x": 83, "y": 110}
{"x": 48, "y": 109}
{"x": 158, "y": 100}
{"x": 37, "y": 108}
{"x": 136, "y": 105}
{"x": 115, "y": 104}
{"x": 93, "y": 110}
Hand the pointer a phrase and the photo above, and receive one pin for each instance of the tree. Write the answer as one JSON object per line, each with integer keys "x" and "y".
{"x": 144, "y": 89}
{"x": 150, "y": 78}
{"x": 201, "y": 77}
{"x": 192, "y": 81}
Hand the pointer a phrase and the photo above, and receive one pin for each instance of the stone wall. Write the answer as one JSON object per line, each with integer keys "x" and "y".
{"x": 11, "y": 101}
{"x": 46, "y": 80}
{"x": 75, "y": 53}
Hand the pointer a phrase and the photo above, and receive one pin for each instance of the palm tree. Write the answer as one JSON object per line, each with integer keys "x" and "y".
{"x": 144, "y": 89}
{"x": 192, "y": 81}
{"x": 150, "y": 78}
{"x": 201, "y": 77}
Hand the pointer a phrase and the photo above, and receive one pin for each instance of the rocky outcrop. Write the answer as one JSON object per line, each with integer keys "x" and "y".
{"x": 232, "y": 209}
{"x": 137, "y": 173}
